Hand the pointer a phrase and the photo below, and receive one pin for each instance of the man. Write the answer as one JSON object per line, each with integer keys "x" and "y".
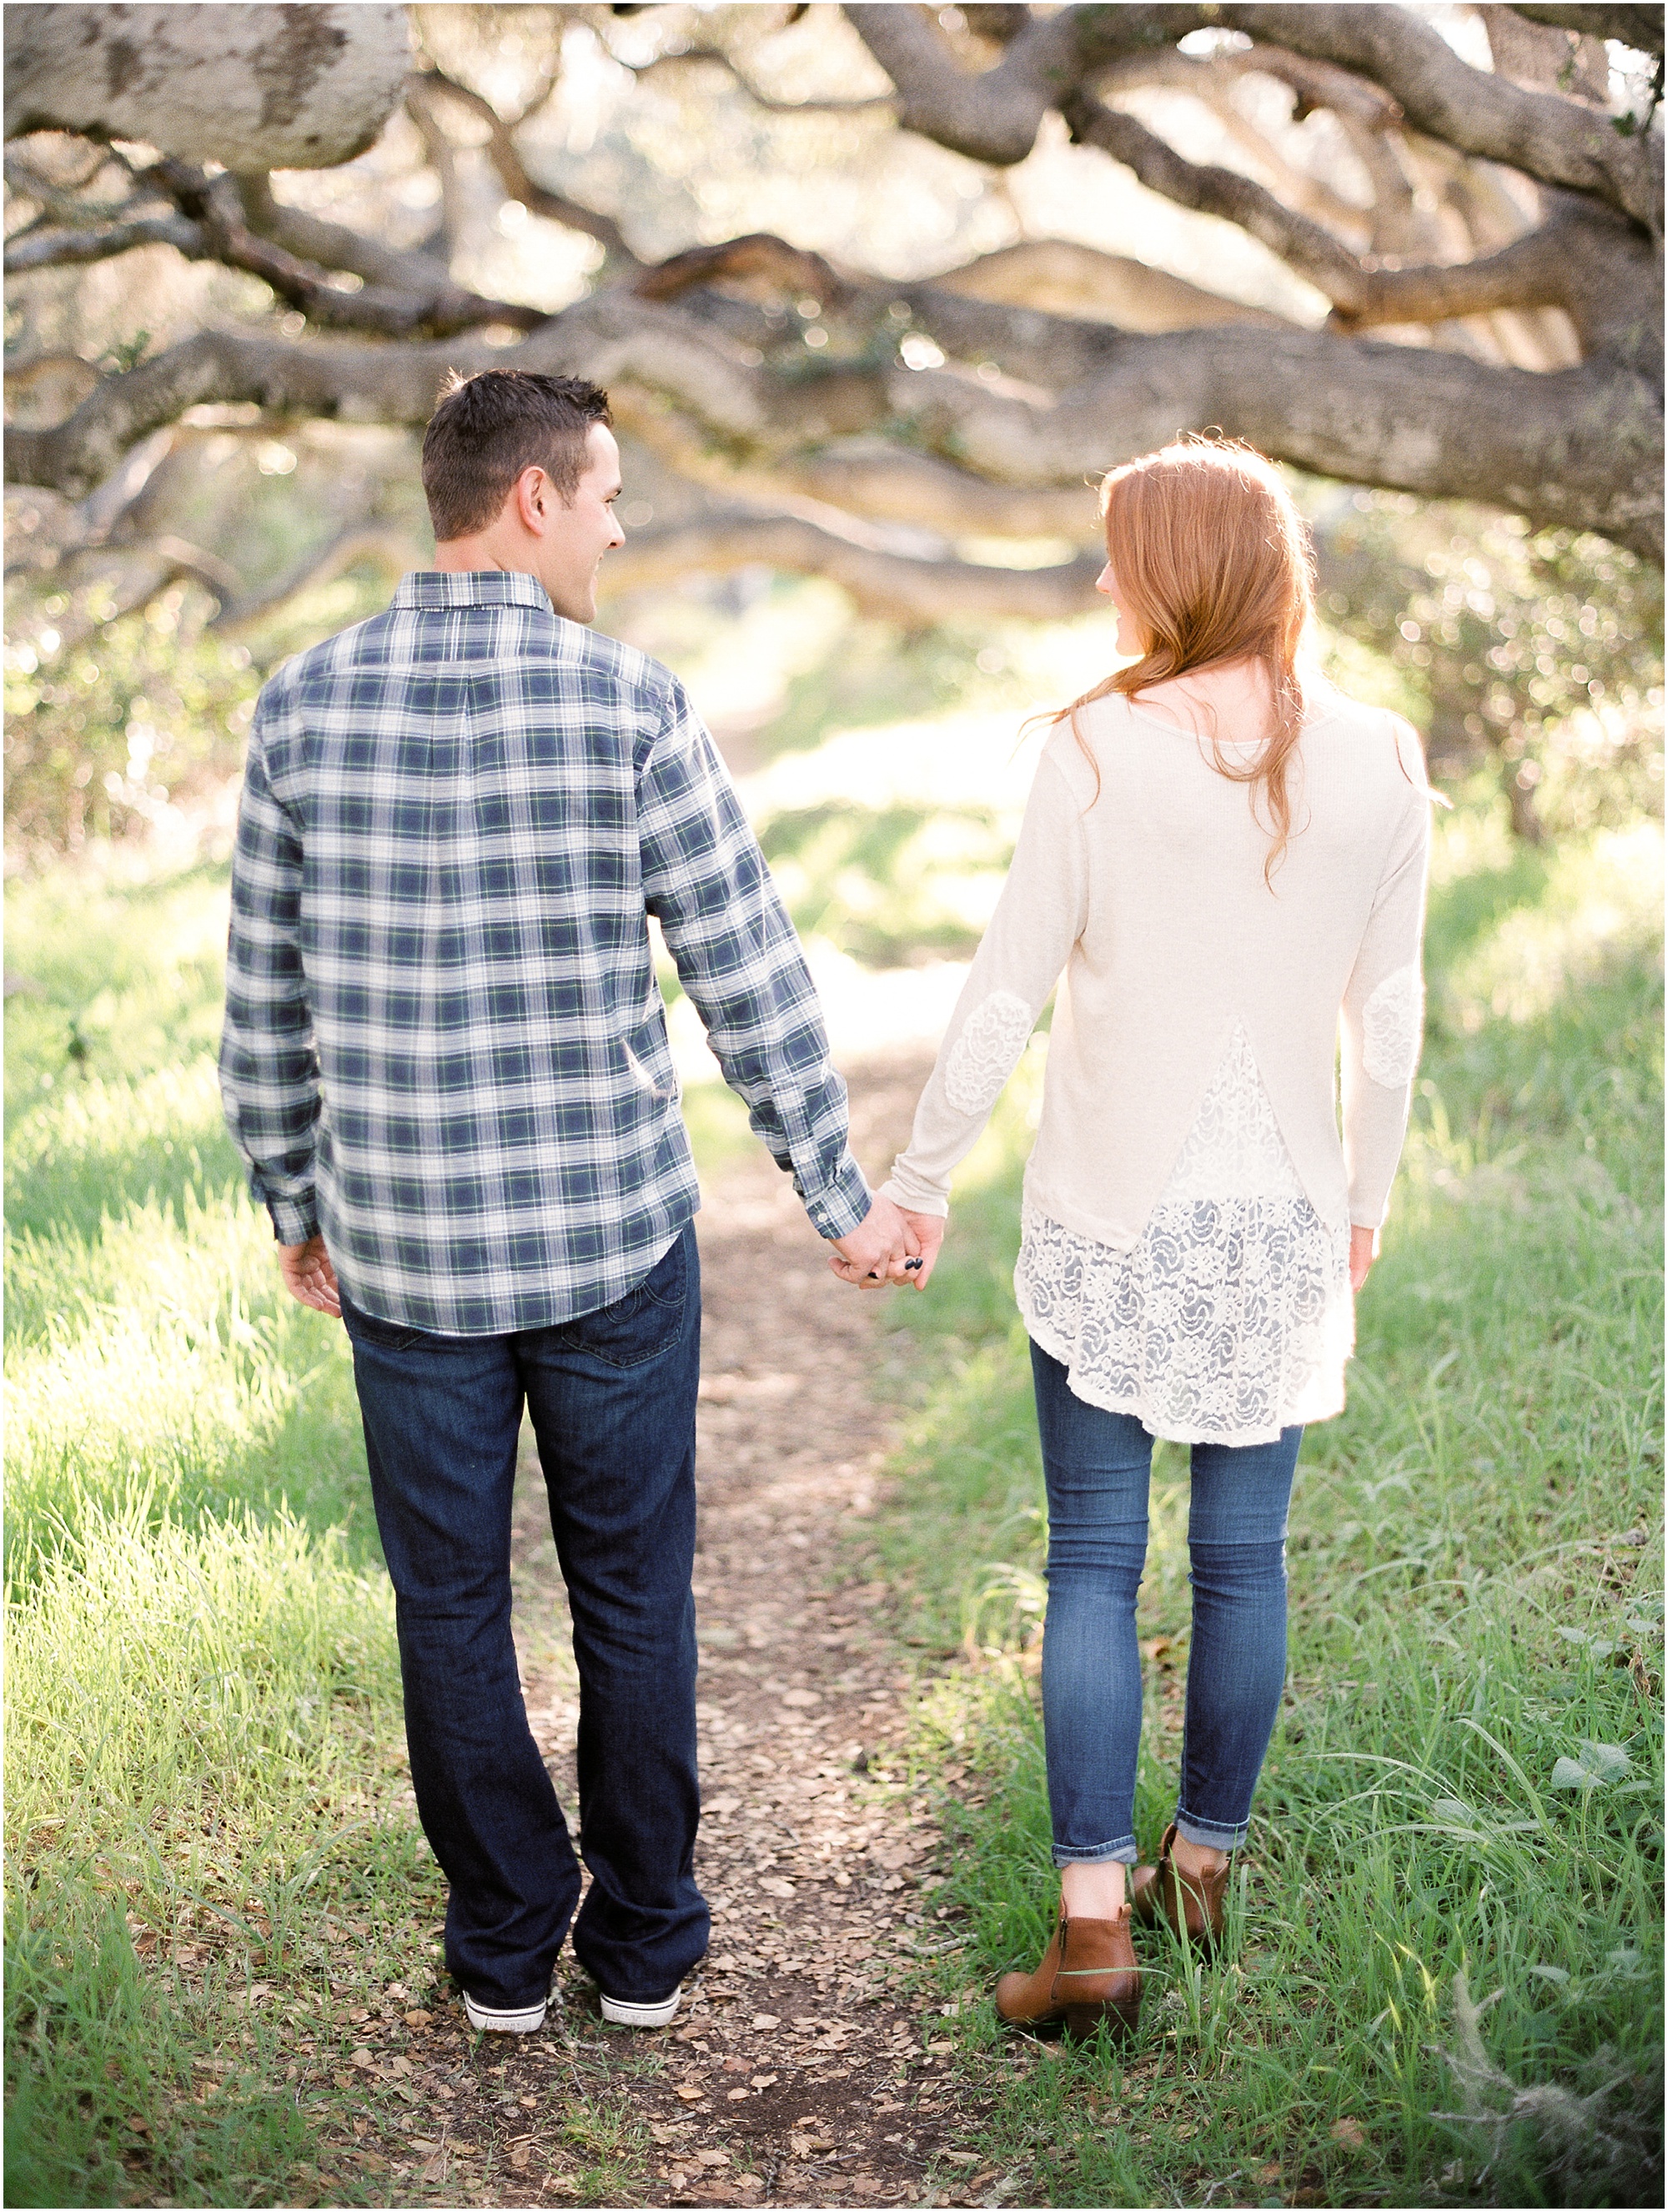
{"x": 445, "y": 1064}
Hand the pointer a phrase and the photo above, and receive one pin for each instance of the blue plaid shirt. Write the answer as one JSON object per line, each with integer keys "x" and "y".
{"x": 444, "y": 1047}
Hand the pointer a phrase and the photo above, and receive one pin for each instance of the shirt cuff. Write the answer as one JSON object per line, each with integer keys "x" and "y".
{"x": 843, "y": 1205}
{"x": 915, "y": 1193}
{"x": 294, "y": 1220}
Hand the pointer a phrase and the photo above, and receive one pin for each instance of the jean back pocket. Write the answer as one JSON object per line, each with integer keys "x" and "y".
{"x": 649, "y": 1319}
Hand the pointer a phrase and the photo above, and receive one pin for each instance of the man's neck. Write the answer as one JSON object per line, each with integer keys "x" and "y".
{"x": 462, "y": 555}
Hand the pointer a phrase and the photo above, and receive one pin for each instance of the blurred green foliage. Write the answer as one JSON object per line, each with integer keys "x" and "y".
{"x": 871, "y": 672}
{"x": 1533, "y": 660}
{"x": 102, "y": 735}
{"x": 1537, "y": 653}
{"x": 879, "y": 882}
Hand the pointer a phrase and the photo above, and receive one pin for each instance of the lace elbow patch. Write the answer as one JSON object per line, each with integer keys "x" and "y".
{"x": 1392, "y": 1027}
{"x": 987, "y": 1052}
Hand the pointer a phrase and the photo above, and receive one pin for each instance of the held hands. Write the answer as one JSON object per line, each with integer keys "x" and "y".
{"x": 888, "y": 1246}
{"x": 308, "y": 1276}
{"x": 893, "y": 1246}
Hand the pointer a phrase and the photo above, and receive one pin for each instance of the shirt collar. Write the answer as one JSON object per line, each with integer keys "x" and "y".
{"x": 470, "y": 587}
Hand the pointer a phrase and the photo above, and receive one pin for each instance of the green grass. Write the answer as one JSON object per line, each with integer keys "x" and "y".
{"x": 155, "y": 1368}
{"x": 215, "y": 1876}
{"x": 1476, "y": 1597}
{"x": 202, "y": 1751}
{"x": 874, "y": 880}
{"x": 212, "y": 1861}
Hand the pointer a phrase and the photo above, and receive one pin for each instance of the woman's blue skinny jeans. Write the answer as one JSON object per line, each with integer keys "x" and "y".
{"x": 1097, "y": 1467}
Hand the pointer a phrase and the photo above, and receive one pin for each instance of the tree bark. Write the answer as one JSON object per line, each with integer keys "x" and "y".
{"x": 1028, "y": 405}
{"x": 1058, "y": 277}
{"x": 1581, "y": 447}
{"x": 538, "y": 198}
{"x": 1641, "y": 28}
{"x": 434, "y": 309}
{"x": 65, "y": 247}
{"x": 996, "y": 116}
{"x": 1302, "y": 243}
{"x": 288, "y": 87}
{"x": 914, "y": 593}
{"x": 334, "y": 244}
{"x": 1560, "y": 140}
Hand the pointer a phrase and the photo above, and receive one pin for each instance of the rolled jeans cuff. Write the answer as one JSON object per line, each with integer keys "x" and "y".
{"x": 1211, "y": 1835}
{"x": 1122, "y": 1851}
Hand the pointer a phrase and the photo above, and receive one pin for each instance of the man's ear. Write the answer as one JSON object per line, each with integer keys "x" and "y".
{"x": 533, "y": 499}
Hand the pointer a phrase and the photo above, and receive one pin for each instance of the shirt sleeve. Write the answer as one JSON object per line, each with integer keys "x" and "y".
{"x": 707, "y": 883}
{"x": 1042, "y": 913}
{"x": 269, "y": 1068}
{"x": 1382, "y": 1020}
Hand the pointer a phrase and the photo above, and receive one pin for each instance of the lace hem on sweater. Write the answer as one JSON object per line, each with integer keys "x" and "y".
{"x": 1231, "y": 1318}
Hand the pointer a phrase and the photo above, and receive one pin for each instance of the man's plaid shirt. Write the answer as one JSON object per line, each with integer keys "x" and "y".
{"x": 445, "y": 1046}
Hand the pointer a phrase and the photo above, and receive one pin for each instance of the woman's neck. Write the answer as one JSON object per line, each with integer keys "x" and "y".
{"x": 1240, "y": 689}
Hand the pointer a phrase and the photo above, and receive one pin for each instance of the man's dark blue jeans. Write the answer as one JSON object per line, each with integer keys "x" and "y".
{"x": 611, "y": 1397}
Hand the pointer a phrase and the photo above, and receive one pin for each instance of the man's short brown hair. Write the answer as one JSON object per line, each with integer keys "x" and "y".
{"x": 488, "y": 429}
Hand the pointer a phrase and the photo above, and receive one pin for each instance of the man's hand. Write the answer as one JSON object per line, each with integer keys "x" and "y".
{"x": 876, "y": 1251}
{"x": 308, "y": 1276}
{"x": 1363, "y": 1251}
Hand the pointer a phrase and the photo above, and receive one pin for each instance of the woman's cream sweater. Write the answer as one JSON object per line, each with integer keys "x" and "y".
{"x": 1150, "y": 895}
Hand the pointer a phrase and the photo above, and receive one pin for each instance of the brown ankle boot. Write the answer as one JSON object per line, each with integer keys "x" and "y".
{"x": 1193, "y": 1903}
{"x": 1088, "y": 1975}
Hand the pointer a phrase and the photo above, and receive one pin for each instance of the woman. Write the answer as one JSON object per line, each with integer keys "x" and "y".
{"x": 1224, "y": 855}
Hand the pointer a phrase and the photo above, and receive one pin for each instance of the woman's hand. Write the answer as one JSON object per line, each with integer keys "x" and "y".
{"x": 929, "y": 1230}
{"x": 1363, "y": 1251}
{"x": 910, "y": 1260}
{"x": 878, "y": 1250}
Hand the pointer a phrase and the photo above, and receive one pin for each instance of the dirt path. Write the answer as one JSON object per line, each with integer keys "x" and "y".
{"x": 795, "y": 2074}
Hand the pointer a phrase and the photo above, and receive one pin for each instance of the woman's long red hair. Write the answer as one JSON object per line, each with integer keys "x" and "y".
{"x": 1212, "y": 564}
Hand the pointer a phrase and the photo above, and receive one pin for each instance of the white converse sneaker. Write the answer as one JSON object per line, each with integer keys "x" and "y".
{"x": 527, "y": 2019}
{"x": 640, "y": 2015}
